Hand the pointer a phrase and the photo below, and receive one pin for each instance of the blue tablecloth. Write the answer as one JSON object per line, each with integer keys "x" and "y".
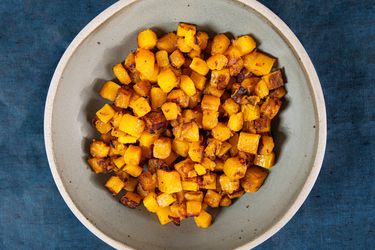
{"x": 339, "y": 35}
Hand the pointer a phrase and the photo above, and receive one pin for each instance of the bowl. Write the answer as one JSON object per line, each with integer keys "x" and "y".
{"x": 73, "y": 99}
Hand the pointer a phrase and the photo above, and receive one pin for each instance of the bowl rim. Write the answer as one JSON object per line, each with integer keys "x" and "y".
{"x": 305, "y": 63}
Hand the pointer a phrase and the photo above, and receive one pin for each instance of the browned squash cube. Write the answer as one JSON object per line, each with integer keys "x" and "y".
{"x": 228, "y": 185}
{"x": 195, "y": 151}
{"x": 225, "y": 201}
{"x": 114, "y": 184}
{"x": 99, "y": 149}
{"x": 169, "y": 182}
{"x": 235, "y": 168}
{"x": 220, "y": 44}
{"x": 203, "y": 220}
{"x": 254, "y": 178}
{"x": 210, "y": 102}
{"x": 177, "y": 59}
{"x": 248, "y": 142}
{"x": 193, "y": 208}
{"x": 167, "y": 42}
{"x": 141, "y": 107}
{"x": 221, "y": 132}
{"x": 123, "y": 97}
{"x": 162, "y": 148}
{"x": 199, "y": 80}
{"x": 212, "y": 198}
{"x": 171, "y": 110}
{"x": 267, "y": 145}
{"x": 199, "y": 66}
{"x": 109, "y": 90}
{"x": 274, "y": 80}
{"x": 131, "y": 200}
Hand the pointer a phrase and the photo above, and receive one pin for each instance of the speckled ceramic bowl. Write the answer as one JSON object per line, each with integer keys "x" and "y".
{"x": 72, "y": 101}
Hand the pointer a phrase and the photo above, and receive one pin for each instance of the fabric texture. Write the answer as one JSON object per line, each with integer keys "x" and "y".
{"x": 339, "y": 37}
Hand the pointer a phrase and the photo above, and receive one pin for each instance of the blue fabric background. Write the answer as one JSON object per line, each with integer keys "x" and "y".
{"x": 339, "y": 36}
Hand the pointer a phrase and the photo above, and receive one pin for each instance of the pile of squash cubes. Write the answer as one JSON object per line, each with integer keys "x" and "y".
{"x": 189, "y": 126}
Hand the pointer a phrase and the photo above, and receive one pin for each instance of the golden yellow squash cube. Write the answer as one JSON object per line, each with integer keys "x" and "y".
{"x": 121, "y": 74}
{"x": 220, "y": 44}
{"x": 261, "y": 89}
{"x": 200, "y": 169}
{"x": 180, "y": 147}
{"x": 267, "y": 145}
{"x": 235, "y": 168}
{"x": 195, "y": 151}
{"x": 220, "y": 78}
{"x": 162, "y": 58}
{"x": 97, "y": 165}
{"x": 105, "y": 113}
{"x": 199, "y": 66}
{"x": 193, "y": 208}
{"x": 147, "y": 139}
{"x": 190, "y": 132}
{"x": 147, "y": 39}
{"x": 177, "y": 59}
{"x": 230, "y": 106}
{"x": 141, "y": 107}
{"x": 158, "y": 97}
{"x": 169, "y": 182}
{"x": 132, "y": 125}
{"x": 114, "y": 184}
{"x": 133, "y": 170}
{"x": 171, "y": 110}
{"x": 210, "y": 119}
{"x": 203, "y": 220}
{"x": 145, "y": 62}
{"x": 163, "y": 214}
{"x": 122, "y": 99}
{"x": 245, "y": 44}
{"x": 99, "y": 149}
{"x": 187, "y": 85}
{"x": 250, "y": 112}
{"x": 167, "y": 42}
{"x": 199, "y": 80}
{"x": 109, "y": 90}
{"x": 102, "y": 127}
{"x": 210, "y": 102}
{"x": 265, "y": 161}
{"x": 228, "y": 185}
{"x": 182, "y": 45}
{"x": 253, "y": 178}
{"x": 119, "y": 162}
{"x": 258, "y": 63}
{"x": 167, "y": 80}
{"x": 162, "y": 148}
{"x": 190, "y": 186}
{"x": 127, "y": 139}
{"x": 133, "y": 155}
{"x": 184, "y": 28}
{"x": 248, "y": 142}
{"x": 150, "y": 202}
{"x": 142, "y": 88}
{"x": 235, "y": 122}
{"x": 208, "y": 164}
{"x": 221, "y": 132}
{"x": 212, "y": 198}
{"x": 165, "y": 199}
{"x": 217, "y": 62}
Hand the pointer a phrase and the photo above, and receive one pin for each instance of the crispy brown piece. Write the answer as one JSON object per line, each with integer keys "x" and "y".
{"x": 131, "y": 200}
{"x": 147, "y": 181}
{"x": 155, "y": 122}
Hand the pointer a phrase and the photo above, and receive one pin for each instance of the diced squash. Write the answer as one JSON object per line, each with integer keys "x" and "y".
{"x": 130, "y": 62}
{"x": 199, "y": 80}
{"x": 127, "y": 139}
{"x": 132, "y": 125}
{"x": 180, "y": 147}
{"x": 199, "y": 66}
{"x": 221, "y": 132}
{"x": 267, "y": 145}
{"x": 228, "y": 185}
{"x": 193, "y": 208}
{"x": 178, "y": 210}
{"x": 133, "y": 170}
{"x": 208, "y": 164}
{"x": 220, "y": 44}
{"x": 200, "y": 169}
{"x": 162, "y": 58}
{"x": 194, "y": 196}
{"x": 158, "y": 97}
{"x": 147, "y": 139}
{"x": 141, "y": 107}
{"x": 274, "y": 80}
{"x": 253, "y": 178}
{"x": 203, "y": 220}
{"x": 250, "y": 112}
{"x": 230, "y": 106}
{"x": 184, "y": 28}
{"x": 142, "y": 88}
{"x": 167, "y": 42}
{"x": 163, "y": 214}
{"x": 245, "y": 44}
{"x": 131, "y": 184}
{"x": 210, "y": 119}
{"x": 225, "y": 201}
{"x": 99, "y": 149}
{"x": 177, "y": 59}
{"x": 171, "y": 110}
{"x": 187, "y": 85}
{"x": 97, "y": 164}
{"x": 190, "y": 186}
{"x": 210, "y": 102}
{"x": 270, "y": 107}
{"x": 131, "y": 200}
{"x": 121, "y": 74}
{"x": 258, "y": 63}
{"x": 182, "y": 45}
{"x": 102, "y": 127}
{"x": 186, "y": 168}
{"x": 217, "y": 62}
{"x": 133, "y": 155}
{"x": 190, "y": 132}
{"x": 147, "y": 39}
{"x": 213, "y": 146}
{"x": 219, "y": 166}
{"x": 119, "y": 162}
{"x": 165, "y": 199}
{"x": 162, "y": 148}
{"x": 152, "y": 78}
{"x": 147, "y": 181}
{"x": 265, "y": 161}
{"x": 209, "y": 181}
{"x": 262, "y": 125}
{"x": 109, "y": 90}
{"x": 261, "y": 89}
{"x": 145, "y": 62}
{"x": 169, "y": 182}
{"x": 225, "y": 147}
{"x": 195, "y": 151}
{"x": 167, "y": 80}
{"x": 178, "y": 96}
{"x": 105, "y": 113}
{"x": 248, "y": 142}
{"x": 220, "y": 78}
{"x": 122, "y": 99}
{"x": 202, "y": 38}
{"x": 236, "y": 194}
{"x": 150, "y": 202}
{"x": 235, "y": 122}
{"x": 114, "y": 184}
{"x": 235, "y": 168}
{"x": 212, "y": 198}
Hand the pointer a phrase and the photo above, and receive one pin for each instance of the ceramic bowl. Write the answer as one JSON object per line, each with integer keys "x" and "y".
{"x": 73, "y": 99}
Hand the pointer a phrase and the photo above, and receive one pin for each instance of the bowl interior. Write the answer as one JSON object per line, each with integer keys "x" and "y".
{"x": 77, "y": 100}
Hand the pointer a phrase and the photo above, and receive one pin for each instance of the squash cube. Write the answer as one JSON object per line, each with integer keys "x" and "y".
{"x": 245, "y": 44}
{"x": 210, "y": 119}
{"x": 162, "y": 58}
{"x": 190, "y": 186}
{"x": 119, "y": 162}
{"x": 99, "y": 149}
{"x": 235, "y": 168}
{"x": 142, "y": 88}
{"x": 267, "y": 145}
{"x": 199, "y": 80}
{"x": 150, "y": 202}
{"x": 97, "y": 165}
{"x": 230, "y": 106}
{"x": 158, "y": 97}
{"x": 122, "y": 99}
{"x": 163, "y": 214}
{"x": 208, "y": 164}
{"x": 199, "y": 66}
{"x": 220, "y": 44}
{"x": 221, "y": 132}
{"x": 261, "y": 89}
{"x": 190, "y": 132}
{"x": 177, "y": 59}
{"x": 167, "y": 42}
{"x": 171, "y": 110}
{"x": 210, "y": 102}
{"x": 131, "y": 200}
{"x": 105, "y": 113}
{"x": 262, "y": 125}
{"x": 162, "y": 148}
{"x": 253, "y": 178}
{"x": 193, "y": 208}
{"x": 114, "y": 184}
{"x": 235, "y": 122}
{"x": 228, "y": 185}
{"x": 165, "y": 199}
{"x": 145, "y": 62}
{"x": 109, "y": 90}
{"x": 167, "y": 80}
{"x": 195, "y": 151}
{"x": 212, "y": 198}
{"x": 265, "y": 161}
{"x": 141, "y": 107}
{"x": 203, "y": 220}
{"x": 169, "y": 182}
{"x": 274, "y": 80}
{"x": 132, "y": 125}
{"x": 250, "y": 112}
{"x": 248, "y": 142}
{"x": 220, "y": 78}
{"x": 217, "y": 62}
{"x": 200, "y": 169}
{"x": 187, "y": 85}
{"x": 121, "y": 74}
{"x": 133, "y": 155}
{"x": 184, "y": 28}
{"x": 258, "y": 63}
{"x": 147, "y": 39}
{"x": 180, "y": 147}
